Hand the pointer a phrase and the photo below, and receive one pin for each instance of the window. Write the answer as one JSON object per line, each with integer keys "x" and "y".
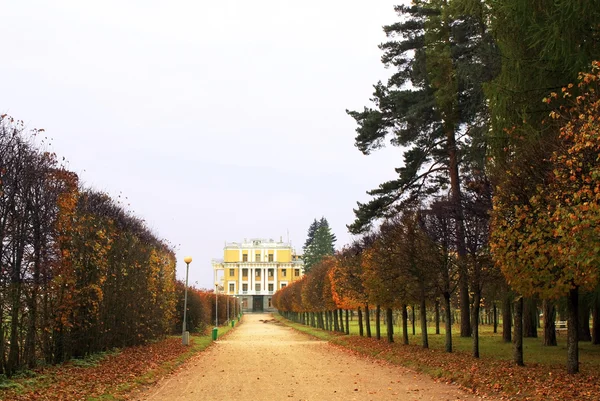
{"x": 283, "y": 285}
{"x": 271, "y": 287}
{"x": 245, "y": 288}
{"x": 269, "y": 302}
{"x": 231, "y": 287}
{"x": 297, "y": 272}
{"x": 284, "y": 272}
{"x": 257, "y": 257}
{"x": 270, "y": 272}
{"x": 231, "y": 272}
{"x": 257, "y": 272}
{"x": 244, "y": 272}
{"x": 257, "y": 287}
{"x": 270, "y": 257}
{"x": 245, "y": 257}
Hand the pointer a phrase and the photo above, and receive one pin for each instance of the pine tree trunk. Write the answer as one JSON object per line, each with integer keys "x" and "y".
{"x": 360, "y": 322}
{"x": 463, "y": 278}
{"x": 549, "y": 311}
{"x": 448, "y": 322}
{"x": 573, "y": 331}
{"x": 437, "y": 316}
{"x": 368, "y": 320}
{"x": 404, "y": 325}
{"x": 518, "y": 336}
{"x": 378, "y": 322}
{"x": 506, "y": 319}
{"x": 390, "y": 324}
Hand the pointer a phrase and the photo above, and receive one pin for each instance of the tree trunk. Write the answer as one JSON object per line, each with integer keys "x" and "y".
{"x": 360, "y": 322}
{"x": 584, "y": 320}
{"x": 448, "y": 322}
{"x": 423, "y": 313}
{"x": 463, "y": 278}
{"x": 347, "y": 322}
{"x": 518, "y": 336}
{"x": 378, "y": 322}
{"x": 341, "y": 315}
{"x": 530, "y": 318}
{"x": 506, "y": 318}
{"x": 437, "y": 316}
{"x": 475, "y": 322}
{"x": 404, "y": 325}
{"x": 549, "y": 311}
{"x": 332, "y": 321}
{"x": 595, "y": 322}
{"x": 336, "y": 326}
{"x": 13, "y": 350}
{"x": 368, "y": 320}
{"x": 495, "y": 311}
{"x": 390, "y": 324}
{"x": 572, "y": 331}
{"x": 414, "y": 330}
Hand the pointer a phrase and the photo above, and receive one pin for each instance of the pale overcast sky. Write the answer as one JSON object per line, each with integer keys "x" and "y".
{"x": 218, "y": 120}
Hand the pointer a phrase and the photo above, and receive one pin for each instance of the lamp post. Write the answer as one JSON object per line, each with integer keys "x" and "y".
{"x": 216, "y": 305}
{"x": 185, "y": 336}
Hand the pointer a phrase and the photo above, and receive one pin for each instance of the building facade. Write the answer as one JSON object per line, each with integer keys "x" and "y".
{"x": 254, "y": 269}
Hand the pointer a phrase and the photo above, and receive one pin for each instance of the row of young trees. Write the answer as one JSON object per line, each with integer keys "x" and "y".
{"x": 465, "y": 103}
{"x": 201, "y": 306}
{"x": 78, "y": 273}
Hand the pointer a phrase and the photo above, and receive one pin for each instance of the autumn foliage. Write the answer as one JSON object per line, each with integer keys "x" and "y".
{"x": 79, "y": 274}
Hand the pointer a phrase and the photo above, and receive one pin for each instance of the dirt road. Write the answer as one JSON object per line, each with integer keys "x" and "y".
{"x": 269, "y": 361}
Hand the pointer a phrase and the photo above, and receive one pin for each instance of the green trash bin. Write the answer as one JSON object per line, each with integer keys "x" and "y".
{"x": 215, "y": 333}
{"x": 232, "y": 323}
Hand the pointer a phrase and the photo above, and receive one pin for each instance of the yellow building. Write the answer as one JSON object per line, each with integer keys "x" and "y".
{"x": 254, "y": 269}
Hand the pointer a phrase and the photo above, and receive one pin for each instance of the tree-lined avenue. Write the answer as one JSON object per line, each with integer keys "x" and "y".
{"x": 269, "y": 361}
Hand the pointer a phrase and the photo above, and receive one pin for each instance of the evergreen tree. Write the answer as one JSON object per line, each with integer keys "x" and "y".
{"x": 320, "y": 243}
{"x": 332, "y": 238}
{"x": 434, "y": 107}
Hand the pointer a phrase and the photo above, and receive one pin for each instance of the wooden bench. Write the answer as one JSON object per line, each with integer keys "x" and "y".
{"x": 561, "y": 325}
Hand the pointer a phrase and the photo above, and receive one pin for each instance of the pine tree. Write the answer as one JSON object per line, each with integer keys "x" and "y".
{"x": 311, "y": 234}
{"x": 434, "y": 107}
{"x": 320, "y": 243}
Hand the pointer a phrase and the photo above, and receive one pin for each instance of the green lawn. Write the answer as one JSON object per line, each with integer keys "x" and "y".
{"x": 490, "y": 344}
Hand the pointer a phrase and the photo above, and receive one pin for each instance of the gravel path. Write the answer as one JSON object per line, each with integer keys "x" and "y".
{"x": 269, "y": 361}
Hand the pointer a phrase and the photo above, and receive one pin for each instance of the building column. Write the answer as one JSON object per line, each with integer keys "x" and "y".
{"x": 239, "y": 286}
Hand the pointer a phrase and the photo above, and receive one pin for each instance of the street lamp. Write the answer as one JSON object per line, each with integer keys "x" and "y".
{"x": 185, "y": 336}
{"x": 216, "y": 305}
